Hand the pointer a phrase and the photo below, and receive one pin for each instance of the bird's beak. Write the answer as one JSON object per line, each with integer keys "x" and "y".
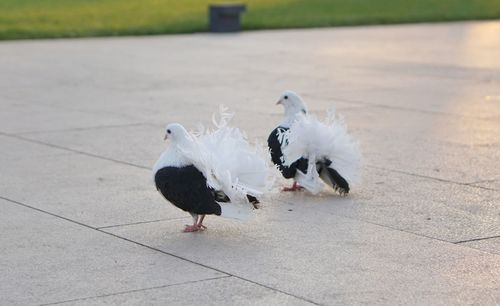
{"x": 166, "y": 137}
{"x": 279, "y": 102}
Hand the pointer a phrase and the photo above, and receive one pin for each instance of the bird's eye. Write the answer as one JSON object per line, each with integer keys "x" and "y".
{"x": 169, "y": 132}
{"x": 286, "y": 97}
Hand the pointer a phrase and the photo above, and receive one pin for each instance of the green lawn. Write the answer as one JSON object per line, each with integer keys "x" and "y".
{"x": 76, "y": 18}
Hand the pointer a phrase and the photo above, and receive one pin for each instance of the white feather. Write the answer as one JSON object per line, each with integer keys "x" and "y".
{"x": 229, "y": 163}
{"x": 170, "y": 157}
{"x": 310, "y": 138}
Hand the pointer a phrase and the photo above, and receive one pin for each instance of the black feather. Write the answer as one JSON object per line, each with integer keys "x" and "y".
{"x": 277, "y": 155}
{"x": 255, "y": 202}
{"x": 186, "y": 188}
{"x": 339, "y": 183}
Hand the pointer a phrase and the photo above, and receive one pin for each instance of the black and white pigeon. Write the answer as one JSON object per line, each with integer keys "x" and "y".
{"x": 311, "y": 152}
{"x": 214, "y": 173}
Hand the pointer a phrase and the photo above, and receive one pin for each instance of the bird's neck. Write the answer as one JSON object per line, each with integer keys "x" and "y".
{"x": 289, "y": 118}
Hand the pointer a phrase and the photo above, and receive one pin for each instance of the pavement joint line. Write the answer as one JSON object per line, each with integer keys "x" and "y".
{"x": 161, "y": 251}
{"x": 148, "y": 168}
{"x": 47, "y": 212}
{"x": 476, "y": 239}
{"x": 481, "y": 187}
{"x": 80, "y": 129}
{"x": 212, "y": 268}
{"x": 135, "y": 290}
{"x": 379, "y": 224}
{"x": 430, "y": 177}
{"x": 408, "y": 109}
{"x": 141, "y": 222}
{"x": 483, "y": 181}
{"x": 29, "y": 101}
{"x": 404, "y": 231}
{"x": 433, "y": 65}
{"x": 74, "y": 151}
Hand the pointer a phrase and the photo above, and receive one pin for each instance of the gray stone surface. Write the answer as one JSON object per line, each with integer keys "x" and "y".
{"x": 81, "y": 123}
{"x": 83, "y": 188}
{"x": 35, "y": 118}
{"x": 492, "y": 184}
{"x": 319, "y": 256}
{"x": 46, "y": 259}
{"x": 221, "y": 291}
{"x": 491, "y": 245}
{"x": 439, "y": 210}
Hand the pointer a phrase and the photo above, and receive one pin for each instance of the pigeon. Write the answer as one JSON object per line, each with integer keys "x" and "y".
{"x": 313, "y": 153}
{"x": 213, "y": 173}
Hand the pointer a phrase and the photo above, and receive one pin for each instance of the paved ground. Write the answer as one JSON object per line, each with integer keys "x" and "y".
{"x": 81, "y": 123}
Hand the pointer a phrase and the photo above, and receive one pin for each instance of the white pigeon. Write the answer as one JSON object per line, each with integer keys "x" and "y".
{"x": 213, "y": 172}
{"x": 312, "y": 152}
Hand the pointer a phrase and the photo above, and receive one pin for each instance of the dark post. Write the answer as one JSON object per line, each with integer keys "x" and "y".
{"x": 225, "y": 17}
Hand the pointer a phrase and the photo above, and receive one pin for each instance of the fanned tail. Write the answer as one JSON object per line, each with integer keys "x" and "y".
{"x": 333, "y": 179}
{"x": 323, "y": 142}
{"x": 224, "y": 117}
{"x": 310, "y": 179}
{"x": 230, "y": 164}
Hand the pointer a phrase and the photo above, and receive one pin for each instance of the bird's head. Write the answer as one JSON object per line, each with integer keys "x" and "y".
{"x": 176, "y": 133}
{"x": 292, "y": 103}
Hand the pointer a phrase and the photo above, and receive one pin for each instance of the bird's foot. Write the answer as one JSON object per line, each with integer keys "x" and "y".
{"x": 293, "y": 188}
{"x": 201, "y": 227}
{"x": 342, "y": 192}
{"x": 191, "y": 228}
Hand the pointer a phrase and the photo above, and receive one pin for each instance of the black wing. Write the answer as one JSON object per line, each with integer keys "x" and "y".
{"x": 276, "y": 155}
{"x": 332, "y": 177}
{"x": 186, "y": 188}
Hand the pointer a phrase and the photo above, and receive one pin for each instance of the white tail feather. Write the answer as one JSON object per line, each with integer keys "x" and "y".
{"x": 310, "y": 181}
{"x": 310, "y": 138}
{"x": 229, "y": 163}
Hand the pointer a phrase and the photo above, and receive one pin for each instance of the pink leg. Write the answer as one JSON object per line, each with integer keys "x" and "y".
{"x": 200, "y": 225}
{"x": 294, "y": 187}
{"x": 192, "y": 228}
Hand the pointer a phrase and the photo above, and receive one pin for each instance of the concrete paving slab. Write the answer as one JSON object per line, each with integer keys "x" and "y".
{"x": 31, "y": 117}
{"x": 491, "y": 245}
{"x": 443, "y": 210}
{"x": 431, "y": 127}
{"x": 439, "y": 210}
{"x": 448, "y": 148}
{"x": 138, "y": 144}
{"x": 441, "y": 159}
{"x": 406, "y": 90}
{"x": 459, "y": 152}
{"x": 12, "y": 149}
{"x": 208, "y": 292}
{"x": 331, "y": 62}
{"x": 327, "y": 258}
{"x": 46, "y": 259}
{"x": 494, "y": 184}
{"x": 83, "y": 188}
{"x": 151, "y": 106}
{"x": 422, "y": 99}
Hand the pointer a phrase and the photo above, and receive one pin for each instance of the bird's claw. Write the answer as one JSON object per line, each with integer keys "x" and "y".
{"x": 293, "y": 188}
{"x": 194, "y": 228}
{"x": 342, "y": 192}
{"x": 191, "y": 228}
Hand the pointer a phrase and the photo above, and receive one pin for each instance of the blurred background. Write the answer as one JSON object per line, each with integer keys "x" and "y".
{"x": 22, "y": 19}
